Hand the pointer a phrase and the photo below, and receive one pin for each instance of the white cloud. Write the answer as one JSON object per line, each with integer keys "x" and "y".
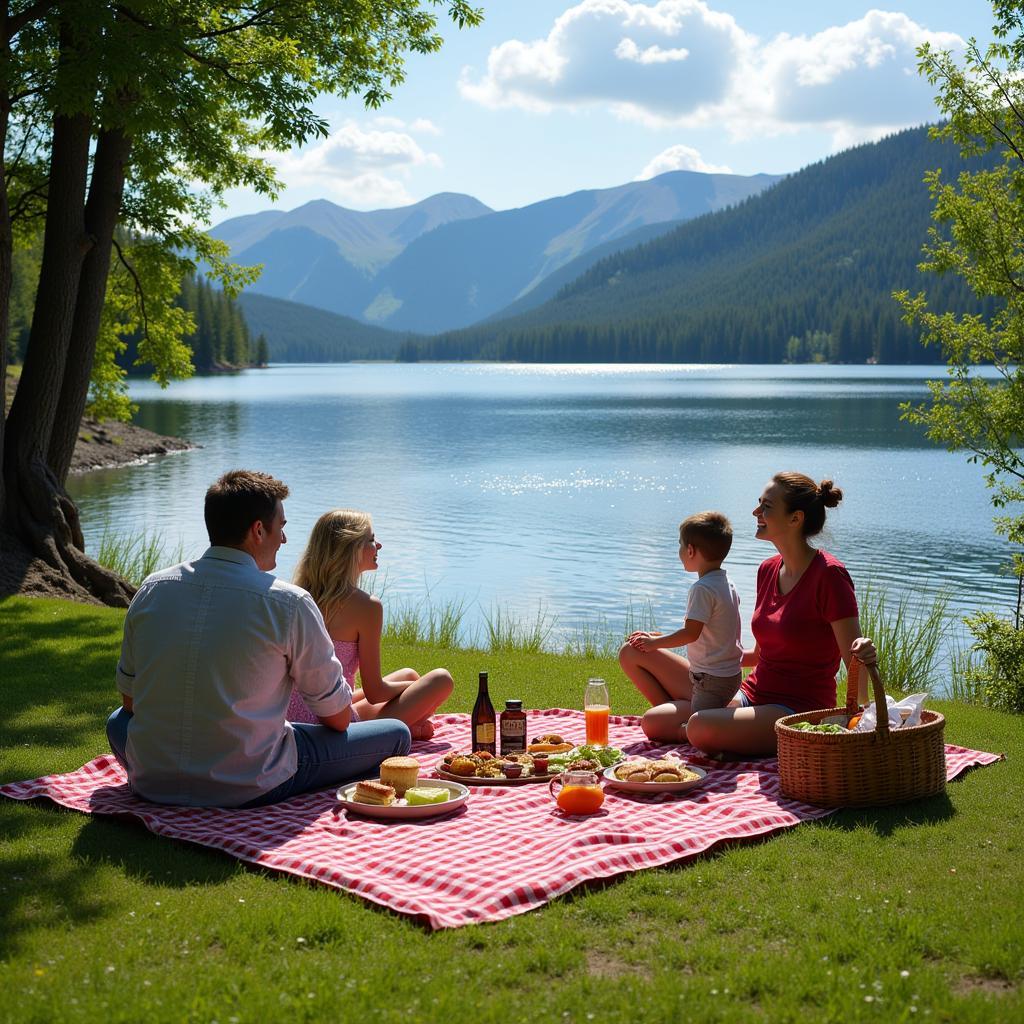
{"x": 681, "y": 63}
{"x": 859, "y": 79}
{"x": 664, "y": 60}
{"x": 424, "y": 126}
{"x": 680, "y": 158}
{"x": 365, "y": 166}
{"x": 420, "y": 126}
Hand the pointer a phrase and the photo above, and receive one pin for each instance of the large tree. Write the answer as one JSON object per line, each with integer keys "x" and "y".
{"x": 979, "y": 234}
{"x": 122, "y": 124}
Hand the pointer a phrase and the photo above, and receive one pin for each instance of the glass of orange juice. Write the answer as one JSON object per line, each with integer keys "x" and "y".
{"x": 579, "y": 792}
{"x": 596, "y": 708}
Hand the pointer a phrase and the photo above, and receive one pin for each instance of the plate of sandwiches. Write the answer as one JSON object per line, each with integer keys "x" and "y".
{"x": 654, "y": 775}
{"x": 427, "y": 799}
{"x": 400, "y": 793}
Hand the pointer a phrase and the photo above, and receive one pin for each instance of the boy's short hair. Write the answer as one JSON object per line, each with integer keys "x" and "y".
{"x": 709, "y": 532}
{"x": 237, "y": 500}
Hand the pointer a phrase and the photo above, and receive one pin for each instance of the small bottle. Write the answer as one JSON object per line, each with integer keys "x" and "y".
{"x": 512, "y": 726}
{"x": 483, "y": 719}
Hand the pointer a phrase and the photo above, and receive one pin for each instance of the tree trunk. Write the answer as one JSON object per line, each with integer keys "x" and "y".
{"x": 101, "y": 213}
{"x": 39, "y": 511}
{"x": 6, "y": 259}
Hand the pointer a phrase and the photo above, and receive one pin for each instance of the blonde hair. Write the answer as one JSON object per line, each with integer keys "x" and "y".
{"x": 329, "y": 567}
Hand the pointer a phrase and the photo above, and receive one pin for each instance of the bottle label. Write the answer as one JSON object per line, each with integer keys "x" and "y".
{"x": 515, "y": 727}
{"x": 485, "y": 733}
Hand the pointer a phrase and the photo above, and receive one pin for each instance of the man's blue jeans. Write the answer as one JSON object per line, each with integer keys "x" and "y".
{"x": 326, "y": 757}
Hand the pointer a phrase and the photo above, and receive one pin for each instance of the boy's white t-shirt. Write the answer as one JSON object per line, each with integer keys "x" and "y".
{"x": 713, "y": 600}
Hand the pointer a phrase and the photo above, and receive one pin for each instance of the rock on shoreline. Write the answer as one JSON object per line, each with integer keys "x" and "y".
{"x": 110, "y": 444}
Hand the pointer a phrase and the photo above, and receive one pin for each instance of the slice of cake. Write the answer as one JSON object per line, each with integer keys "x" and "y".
{"x": 374, "y": 793}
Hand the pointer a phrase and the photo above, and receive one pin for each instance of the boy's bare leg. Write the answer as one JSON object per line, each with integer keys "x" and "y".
{"x": 661, "y": 676}
{"x": 667, "y": 722}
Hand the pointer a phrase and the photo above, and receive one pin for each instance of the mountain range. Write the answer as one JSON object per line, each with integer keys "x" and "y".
{"x": 449, "y": 260}
{"x": 803, "y": 270}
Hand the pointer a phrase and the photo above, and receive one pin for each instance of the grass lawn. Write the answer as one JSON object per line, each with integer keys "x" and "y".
{"x": 903, "y": 914}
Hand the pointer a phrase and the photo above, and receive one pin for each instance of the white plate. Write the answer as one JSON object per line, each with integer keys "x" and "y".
{"x": 655, "y": 787}
{"x": 400, "y": 809}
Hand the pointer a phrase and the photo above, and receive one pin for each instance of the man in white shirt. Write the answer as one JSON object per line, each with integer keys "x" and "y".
{"x": 211, "y": 652}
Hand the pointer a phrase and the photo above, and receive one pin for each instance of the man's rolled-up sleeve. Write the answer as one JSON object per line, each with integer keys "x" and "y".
{"x": 316, "y": 673}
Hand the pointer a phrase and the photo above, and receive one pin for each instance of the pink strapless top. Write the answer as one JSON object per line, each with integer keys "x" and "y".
{"x": 347, "y": 652}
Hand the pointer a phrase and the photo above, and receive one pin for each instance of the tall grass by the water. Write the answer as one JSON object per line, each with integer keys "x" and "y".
{"x": 505, "y": 631}
{"x": 135, "y": 555}
{"x": 425, "y": 622}
{"x": 909, "y": 641}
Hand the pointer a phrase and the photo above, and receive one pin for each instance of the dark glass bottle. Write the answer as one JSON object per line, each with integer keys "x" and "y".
{"x": 483, "y": 719}
{"x": 512, "y": 728}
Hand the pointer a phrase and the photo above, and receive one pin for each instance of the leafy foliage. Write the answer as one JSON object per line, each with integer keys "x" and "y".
{"x": 999, "y": 677}
{"x": 979, "y": 237}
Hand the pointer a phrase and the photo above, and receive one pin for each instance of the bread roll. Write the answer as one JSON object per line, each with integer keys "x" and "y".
{"x": 400, "y": 772}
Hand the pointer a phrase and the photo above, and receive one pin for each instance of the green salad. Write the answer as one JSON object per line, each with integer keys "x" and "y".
{"x": 605, "y": 756}
{"x": 810, "y": 727}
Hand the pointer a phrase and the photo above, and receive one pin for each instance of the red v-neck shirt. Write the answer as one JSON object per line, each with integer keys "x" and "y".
{"x": 798, "y": 656}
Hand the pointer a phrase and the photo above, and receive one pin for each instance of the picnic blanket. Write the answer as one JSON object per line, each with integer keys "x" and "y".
{"x": 506, "y": 851}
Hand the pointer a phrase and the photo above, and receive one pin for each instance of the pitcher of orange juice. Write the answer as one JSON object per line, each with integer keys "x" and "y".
{"x": 596, "y": 707}
{"x": 580, "y": 792}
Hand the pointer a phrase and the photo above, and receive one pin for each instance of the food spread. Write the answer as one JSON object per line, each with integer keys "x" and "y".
{"x": 482, "y": 764}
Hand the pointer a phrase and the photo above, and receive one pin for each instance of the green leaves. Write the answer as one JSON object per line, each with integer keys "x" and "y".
{"x": 980, "y": 236}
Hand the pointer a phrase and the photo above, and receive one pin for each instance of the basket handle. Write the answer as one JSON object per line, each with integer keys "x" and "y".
{"x": 852, "y": 704}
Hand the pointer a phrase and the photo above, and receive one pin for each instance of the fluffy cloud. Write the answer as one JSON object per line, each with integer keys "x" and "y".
{"x": 860, "y": 77}
{"x": 680, "y": 158}
{"x": 360, "y": 165}
{"x": 681, "y": 63}
{"x": 665, "y": 60}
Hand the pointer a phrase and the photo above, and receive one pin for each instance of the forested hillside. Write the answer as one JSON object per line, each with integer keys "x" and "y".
{"x": 803, "y": 271}
{"x": 301, "y": 334}
{"x": 222, "y": 339}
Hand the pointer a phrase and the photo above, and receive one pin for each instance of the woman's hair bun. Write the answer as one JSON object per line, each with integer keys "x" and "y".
{"x": 829, "y": 493}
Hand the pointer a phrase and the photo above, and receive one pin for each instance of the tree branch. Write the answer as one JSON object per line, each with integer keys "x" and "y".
{"x": 139, "y": 290}
{"x": 16, "y": 22}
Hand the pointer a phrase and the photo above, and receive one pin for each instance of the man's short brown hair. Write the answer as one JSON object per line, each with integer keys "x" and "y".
{"x": 709, "y": 532}
{"x": 237, "y": 500}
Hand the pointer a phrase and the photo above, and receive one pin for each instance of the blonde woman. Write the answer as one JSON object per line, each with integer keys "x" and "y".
{"x": 341, "y": 547}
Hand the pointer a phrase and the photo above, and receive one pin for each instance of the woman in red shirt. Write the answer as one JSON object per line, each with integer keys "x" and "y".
{"x": 805, "y": 620}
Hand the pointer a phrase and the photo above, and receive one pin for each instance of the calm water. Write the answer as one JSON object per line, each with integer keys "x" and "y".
{"x": 561, "y": 487}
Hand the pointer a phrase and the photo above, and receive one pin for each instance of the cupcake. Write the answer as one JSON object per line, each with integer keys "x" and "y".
{"x": 400, "y": 772}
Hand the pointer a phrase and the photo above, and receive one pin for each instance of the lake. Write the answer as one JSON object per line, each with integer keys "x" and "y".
{"x": 558, "y": 489}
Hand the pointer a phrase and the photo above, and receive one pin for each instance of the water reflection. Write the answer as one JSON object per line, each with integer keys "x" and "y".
{"x": 565, "y": 485}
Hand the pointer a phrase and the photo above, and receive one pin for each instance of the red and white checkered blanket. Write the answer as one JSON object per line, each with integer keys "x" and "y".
{"x": 505, "y": 852}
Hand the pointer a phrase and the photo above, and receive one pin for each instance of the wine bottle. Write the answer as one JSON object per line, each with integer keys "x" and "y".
{"x": 483, "y": 719}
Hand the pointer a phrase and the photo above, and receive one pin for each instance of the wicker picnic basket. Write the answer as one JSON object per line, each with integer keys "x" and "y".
{"x": 861, "y": 769}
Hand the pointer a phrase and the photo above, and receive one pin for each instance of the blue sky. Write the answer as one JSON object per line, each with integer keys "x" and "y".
{"x": 549, "y": 96}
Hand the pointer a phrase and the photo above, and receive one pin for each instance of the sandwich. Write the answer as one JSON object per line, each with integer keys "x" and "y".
{"x": 371, "y": 792}
{"x": 549, "y": 744}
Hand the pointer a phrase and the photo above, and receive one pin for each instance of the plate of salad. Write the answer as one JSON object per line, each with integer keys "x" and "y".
{"x": 604, "y": 756}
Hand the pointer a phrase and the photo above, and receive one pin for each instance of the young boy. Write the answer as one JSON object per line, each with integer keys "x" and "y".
{"x": 711, "y": 632}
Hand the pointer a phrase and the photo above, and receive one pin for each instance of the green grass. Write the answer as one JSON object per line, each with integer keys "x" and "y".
{"x": 135, "y": 555}
{"x": 102, "y": 921}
